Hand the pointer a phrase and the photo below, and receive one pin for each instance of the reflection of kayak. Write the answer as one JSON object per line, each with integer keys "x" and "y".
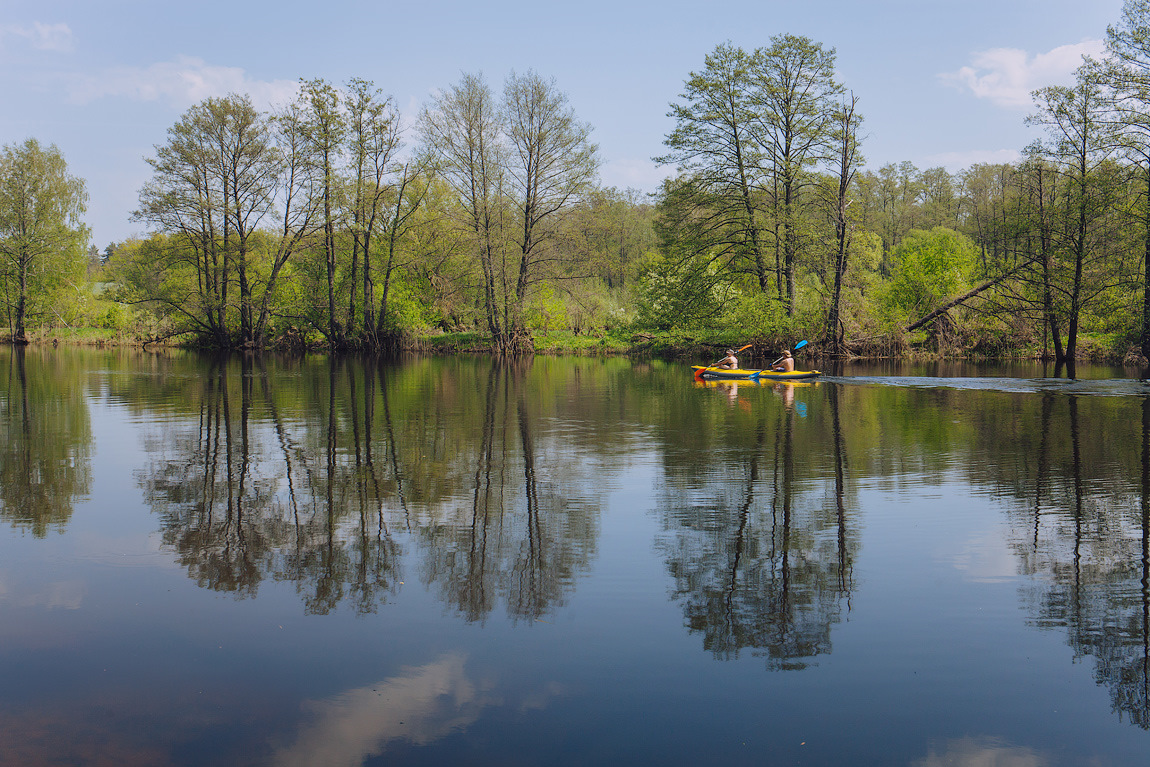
{"x": 715, "y": 383}
{"x": 723, "y": 383}
{"x": 718, "y": 374}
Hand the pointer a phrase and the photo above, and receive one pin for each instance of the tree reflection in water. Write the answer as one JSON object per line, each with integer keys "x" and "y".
{"x": 328, "y": 497}
{"x": 45, "y": 438}
{"x": 759, "y": 561}
{"x": 479, "y": 478}
{"x": 519, "y": 539}
{"x": 1090, "y": 545}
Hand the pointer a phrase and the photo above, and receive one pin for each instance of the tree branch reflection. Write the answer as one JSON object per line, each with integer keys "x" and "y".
{"x": 289, "y": 486}
{"x": 45, "y": 439}
{"x": 1092, "y": 550}
{"x": 767, "y": 567}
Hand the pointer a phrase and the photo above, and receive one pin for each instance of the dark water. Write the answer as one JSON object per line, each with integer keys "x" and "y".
{"x": 568, "y": 562}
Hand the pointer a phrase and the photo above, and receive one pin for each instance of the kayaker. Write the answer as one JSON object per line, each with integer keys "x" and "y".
{"x": 786, "y": 364}
{"x": 730, "y": 362}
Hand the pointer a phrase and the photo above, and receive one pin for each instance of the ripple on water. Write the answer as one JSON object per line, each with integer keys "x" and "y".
{"x": 1112, "y": 387}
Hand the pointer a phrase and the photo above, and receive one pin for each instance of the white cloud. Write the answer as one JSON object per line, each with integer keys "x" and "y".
{"x": 67, "y": 595}
{"x": 421, "y": 705}
{"x": 986, "y": 558}
{"x": 1006, "y": 76}
{"x": 182, "y": 83}
{"x": 42, "y": 37}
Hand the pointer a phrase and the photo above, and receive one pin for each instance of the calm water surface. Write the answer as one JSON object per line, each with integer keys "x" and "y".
{"x": 447, "y": 561}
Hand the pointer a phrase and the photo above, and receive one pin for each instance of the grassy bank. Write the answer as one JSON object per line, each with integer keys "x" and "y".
{"x": 694, "y": 346}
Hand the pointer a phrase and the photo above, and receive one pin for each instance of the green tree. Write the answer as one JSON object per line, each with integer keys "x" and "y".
{"x": 849, "y": 158}
{"x": 212, "y": 185}
{"x": 1127, "y": 71}
{"x": 299, "y": 206}
{"x": 796, "y": 92}
{"x": 929, "y": 266}
{"x": 461, "y": 129}
{"x": 42, "y": 240}
{"x": 1078, "y": 146}
{"x": 552, "y": 166}
{"x": 374, "y": 138}
{"x": 324, "y": 127}
{"x": 713, "y": 144}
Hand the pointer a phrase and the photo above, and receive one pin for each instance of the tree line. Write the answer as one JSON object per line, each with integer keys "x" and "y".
{"x": 333, "y": 221}
{"x": 772, "y": 221}
{"x": 317, "y": 219}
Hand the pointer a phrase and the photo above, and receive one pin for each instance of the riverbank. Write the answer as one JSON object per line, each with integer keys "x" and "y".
{"x": 677, "y": 345}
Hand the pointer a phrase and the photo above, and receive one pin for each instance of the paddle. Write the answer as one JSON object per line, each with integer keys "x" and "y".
{"x": 756, "y": 376}
{"x": 798, "y": 346}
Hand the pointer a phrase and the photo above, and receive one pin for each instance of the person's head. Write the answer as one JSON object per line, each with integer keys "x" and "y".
{"x": 786, "y": 352}
{"x": 730, "y": 352}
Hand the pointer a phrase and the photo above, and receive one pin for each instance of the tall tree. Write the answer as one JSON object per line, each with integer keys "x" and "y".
{"x": 1078, "y": 145}
{"x": 374, "y": 138}
{"x": 212, "y": 184}
{"x": 42, "y": 239}
{"x": 324, "y": 127}
{"x": 795, "y": 93}
{"x": 249, "y": 167}
{"x": 461, "y": 128}
{"x": 299, "y": 183}
{"x": 553, "y": 164}
{"x": 849, "y": 159}
{"x": 410, "y": 189}
{"x": 713, "y": 143}
{"x": 1127, "y": 71}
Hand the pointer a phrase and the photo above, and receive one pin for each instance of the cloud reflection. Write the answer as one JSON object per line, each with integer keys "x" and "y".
{"x": 63, "y": 595}
{"x": 982, "y": 752}
{"x": 986, "y": 558}
{"x": 421, "y": 706}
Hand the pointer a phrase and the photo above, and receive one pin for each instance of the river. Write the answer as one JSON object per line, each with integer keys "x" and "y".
{"x": 568, "y": 561}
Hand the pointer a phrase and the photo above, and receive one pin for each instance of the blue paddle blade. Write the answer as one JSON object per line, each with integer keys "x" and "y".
{"x": 800, "y": 345}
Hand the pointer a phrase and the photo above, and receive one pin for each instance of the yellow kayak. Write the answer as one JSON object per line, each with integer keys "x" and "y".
{"x": 718, "y": 374}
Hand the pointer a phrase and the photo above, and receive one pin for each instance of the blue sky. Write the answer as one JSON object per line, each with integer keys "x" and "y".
{"x": 939, "y": 83}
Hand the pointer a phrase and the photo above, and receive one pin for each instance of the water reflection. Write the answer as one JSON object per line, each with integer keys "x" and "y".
{"x": 461, "y": 500}
{"x": 419, "y": 706}
{"x": 1089, "y": 545}
{"x": 321, "y": 499}
{"x": 982, "y": 752}
{"x": 45, "y": 438}
{"x": 759, "y": 561}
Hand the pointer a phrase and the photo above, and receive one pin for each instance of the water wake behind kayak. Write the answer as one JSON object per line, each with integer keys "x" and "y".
{"x": 1111, "y": 387}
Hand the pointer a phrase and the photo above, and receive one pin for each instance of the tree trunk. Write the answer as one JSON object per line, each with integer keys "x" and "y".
{"x": 1144, "y": 341}
{"x": 19, "y": 336}
{"x": 965, "y": 296}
